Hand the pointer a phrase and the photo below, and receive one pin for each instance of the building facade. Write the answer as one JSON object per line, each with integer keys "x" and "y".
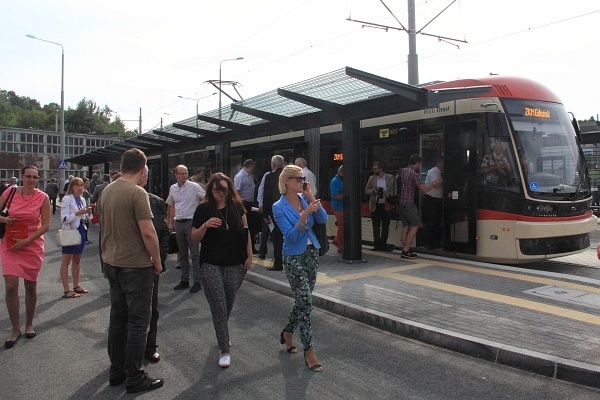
{"x": 20, "y": 147}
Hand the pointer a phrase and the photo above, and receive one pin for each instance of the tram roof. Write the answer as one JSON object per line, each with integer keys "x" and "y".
{"x": 343, "y": 94}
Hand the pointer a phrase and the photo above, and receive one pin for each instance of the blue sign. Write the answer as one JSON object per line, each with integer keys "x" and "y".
{"x": 533, "y": 186}
{"x": 62, "y": 164}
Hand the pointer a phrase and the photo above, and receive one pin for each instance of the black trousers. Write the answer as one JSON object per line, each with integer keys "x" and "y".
{"x": 432, "y": 218}
{"x": 53, "y": 202}
{"x": 277, "y": 246}
{"x": 381, "y": 226}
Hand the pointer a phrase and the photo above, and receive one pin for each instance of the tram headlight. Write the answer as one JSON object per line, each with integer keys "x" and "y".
{"x": 540, "y": 208}
{"x": 548, "y": 208}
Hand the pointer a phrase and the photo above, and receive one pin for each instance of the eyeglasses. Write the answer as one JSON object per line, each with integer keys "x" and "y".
{"x": 31, "y": 176}
{"x": 219, "y": 188}
{"x": 299, "y": 179}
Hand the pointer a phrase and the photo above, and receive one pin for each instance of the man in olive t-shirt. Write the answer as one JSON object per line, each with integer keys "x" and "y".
{"x": 131, "y": 259}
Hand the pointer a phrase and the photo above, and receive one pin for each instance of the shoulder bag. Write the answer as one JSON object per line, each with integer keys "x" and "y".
{"x": 68, "y": 237}
{"x": 320, "y": 231}
{"x": 4, "y": 212}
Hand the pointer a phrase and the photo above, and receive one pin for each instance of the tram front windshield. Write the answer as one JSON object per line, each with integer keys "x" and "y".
{"x": 551, "y": 161}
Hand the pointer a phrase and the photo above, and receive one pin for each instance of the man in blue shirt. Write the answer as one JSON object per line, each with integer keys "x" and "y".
{"x": 337, "y": 195}
{"x": 244, "y": 184}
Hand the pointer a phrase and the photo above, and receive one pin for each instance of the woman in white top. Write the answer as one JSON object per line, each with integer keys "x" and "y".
{"x": 73, "y": 211}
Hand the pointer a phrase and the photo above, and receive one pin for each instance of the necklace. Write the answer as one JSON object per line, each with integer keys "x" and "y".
{"x": 29, "y": 196}
{"x": 224, "y": 219}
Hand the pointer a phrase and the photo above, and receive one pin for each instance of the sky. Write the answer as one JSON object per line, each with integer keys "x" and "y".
{"x": 133, "y": 54}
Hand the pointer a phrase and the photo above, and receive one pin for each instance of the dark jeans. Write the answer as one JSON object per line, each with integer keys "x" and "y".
{"x": 264, "y": 238}
{"x": 153, "y": 331}
{"x": 130, "y": 299}
{"x": 381, "y": 226}
{"x": 53, "y": 202}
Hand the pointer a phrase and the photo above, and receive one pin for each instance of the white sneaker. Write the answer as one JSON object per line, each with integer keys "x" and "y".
{"x": 225, "y": 361}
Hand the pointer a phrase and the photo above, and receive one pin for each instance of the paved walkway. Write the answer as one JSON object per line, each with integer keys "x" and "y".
{"x": 541, "y": 322}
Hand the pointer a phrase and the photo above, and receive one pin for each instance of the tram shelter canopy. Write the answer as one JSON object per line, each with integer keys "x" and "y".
{"x": 344, "y": 94}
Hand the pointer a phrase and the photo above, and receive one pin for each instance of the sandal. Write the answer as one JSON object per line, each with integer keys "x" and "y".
{"x": 291, "y": 349}
{"x": 72, "y": 296}
{"x": 80, "y": 290}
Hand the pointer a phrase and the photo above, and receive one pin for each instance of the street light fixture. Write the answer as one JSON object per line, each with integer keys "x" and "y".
{"x": 189, "y": 98}
{"x": 62, "y": 104}
{"x": 220, "y": 81}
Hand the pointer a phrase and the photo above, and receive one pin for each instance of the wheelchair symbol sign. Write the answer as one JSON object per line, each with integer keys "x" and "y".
{"x": 533, "y": 186}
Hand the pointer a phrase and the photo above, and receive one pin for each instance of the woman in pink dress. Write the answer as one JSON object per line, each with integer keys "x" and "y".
{"x": 29, "y": 218}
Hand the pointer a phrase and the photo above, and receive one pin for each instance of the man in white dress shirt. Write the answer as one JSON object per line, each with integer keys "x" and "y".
{"x": 186, "y": 196}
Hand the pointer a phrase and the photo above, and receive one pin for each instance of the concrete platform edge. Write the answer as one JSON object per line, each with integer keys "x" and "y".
{"x": 531, "y": 361}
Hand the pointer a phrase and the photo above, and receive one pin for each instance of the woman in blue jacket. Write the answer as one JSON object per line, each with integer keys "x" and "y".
{"x": 295, "y": 213}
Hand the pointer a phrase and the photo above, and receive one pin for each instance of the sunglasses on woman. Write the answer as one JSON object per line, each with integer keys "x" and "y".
{"x": 299, "y": 179}
{"x": 219, "y": 188}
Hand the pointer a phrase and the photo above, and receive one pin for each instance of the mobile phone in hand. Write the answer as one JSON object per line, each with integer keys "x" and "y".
{"x": 305, "y": 186}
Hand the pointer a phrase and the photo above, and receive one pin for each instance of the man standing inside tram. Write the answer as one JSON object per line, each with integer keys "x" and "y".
{"x": 433, "y": 204}
{"x": 186, "y": 196}
{"x": 408, "y": 211}
{"x": 376, "y": 188}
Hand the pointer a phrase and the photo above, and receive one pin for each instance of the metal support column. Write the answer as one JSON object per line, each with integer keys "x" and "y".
{"x": 223, "y": 153}
{"x": 313, "y": 138}
{"x": 352, "y": 252}
{"x": 164, "y": 176}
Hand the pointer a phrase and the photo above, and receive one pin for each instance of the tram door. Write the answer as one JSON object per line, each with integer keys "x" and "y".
{"x": 460, "y": 167}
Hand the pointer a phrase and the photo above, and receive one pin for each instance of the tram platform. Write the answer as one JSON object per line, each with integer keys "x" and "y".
{"x": 538, "y": 321}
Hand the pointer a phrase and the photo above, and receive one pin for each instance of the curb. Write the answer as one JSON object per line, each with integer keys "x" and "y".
{"x": 542, "y": 364}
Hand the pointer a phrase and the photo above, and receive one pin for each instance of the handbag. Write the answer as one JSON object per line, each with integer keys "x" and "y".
{"x": 320, "y": 231}
{"x": 4, "y": 212}
{"x": 173, "y": 248}
{"x": 67, "y": 237}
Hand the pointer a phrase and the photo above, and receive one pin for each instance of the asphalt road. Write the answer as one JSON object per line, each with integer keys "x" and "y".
{"x": 68, "y": 358}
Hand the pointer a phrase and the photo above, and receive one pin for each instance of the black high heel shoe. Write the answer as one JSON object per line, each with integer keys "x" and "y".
{"x": 292, "y": 349}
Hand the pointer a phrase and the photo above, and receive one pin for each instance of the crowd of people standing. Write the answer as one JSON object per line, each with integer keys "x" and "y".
{"x": 217, "y": 221}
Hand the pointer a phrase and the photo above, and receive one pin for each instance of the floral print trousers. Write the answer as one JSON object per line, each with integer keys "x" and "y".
{"x": 301, "y": 272}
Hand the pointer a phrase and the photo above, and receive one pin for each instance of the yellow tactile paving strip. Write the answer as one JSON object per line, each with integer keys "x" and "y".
{"x": 500, "y": 298}
{"x": 396, "y": 273}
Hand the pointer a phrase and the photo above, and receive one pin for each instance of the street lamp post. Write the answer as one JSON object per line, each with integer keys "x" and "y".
{"x": 220, "y": 65}
{"x": 189, "y": 98}
{"x": 62, "y": 104}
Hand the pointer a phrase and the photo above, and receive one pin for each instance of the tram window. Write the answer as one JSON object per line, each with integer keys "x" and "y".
{"x": 497, "y": 125}
{"x": 498, "y": 167}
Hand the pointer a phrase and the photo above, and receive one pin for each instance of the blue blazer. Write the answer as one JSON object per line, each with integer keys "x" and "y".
{"x": 295, "y": 233}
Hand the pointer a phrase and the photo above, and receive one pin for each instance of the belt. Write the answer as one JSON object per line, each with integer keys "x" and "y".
{"x": 183, "y": 220}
